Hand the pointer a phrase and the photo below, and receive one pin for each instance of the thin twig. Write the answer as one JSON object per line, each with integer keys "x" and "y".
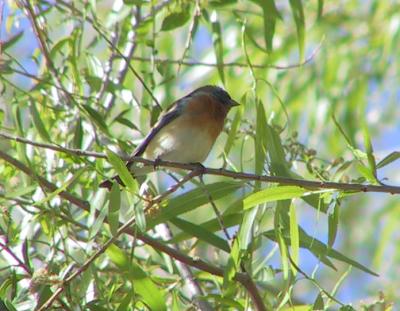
{"x": 307, "y": 184}
{"x": 313, "y": 281}
{"x": 21, "y": 264}
{"x": 230, "y": 64}
{"x": 216, "y": 211}
{"x": 176, "y": 186}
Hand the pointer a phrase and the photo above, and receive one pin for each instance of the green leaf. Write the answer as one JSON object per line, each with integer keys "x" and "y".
{"x": 218, "y": 46}
{"x": 233, "y": 131}
{"x": 99, "y": 221}
{"x": 192, "y": 199}
{"x": 78, "y": 134}
{"x": 113, "y": 208}
{"x": 294, "y": 236}
{"x": 298, "y": 15}
{"x": 319, "y": 303}
{"x": 245, "y": 235}
{"x": 270, "y": 15}
{"x": 333, "y": 222}
{"x": 366, "y": 172}
{"x": 123, "y": 172}
{"x": 39, "y": 125}
{"x": 11, "y": 41}
{"x": 63, "y": 187}
{"x": 176, "y": 19}
{"x": 221, "y": 3}
{"x": 152, "y": 296}
{"x": 273, "y": 194}
{"x": 276, "y": 153}
{"x": 233, "y": 264}
{"x": 279, "y": 226}
{"x": 260, "y": 143}
{"x": 140, "y": 217}
{"x": 212, "y": 225}
{"x": 201, "y": 233}
{"x": 389, "y": 159}
{"x": 320, "y": 8}
{"x": 96, "y": 117}
{"x": 134, "y": 2}
{"x": 320, "y": 250}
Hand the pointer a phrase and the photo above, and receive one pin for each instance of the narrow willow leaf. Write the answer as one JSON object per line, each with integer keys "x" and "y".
{"x": 366, "y": 172}
{"x": 218, "y": 45}
{"x": 11, "y": 41}
{"x": 123, "y": 172}
{"x": 37, "y": 120}
{"x": 176, "y": 19}
{"x": 113, "y": 208}
{"x": 25, "y": 254}
{"x": 78, "y": 134}
{"x": 99, "y": 221}
{"x": 260, "y": 142}
{"x": 233, "y": 131}
{"x": 294, "y": 236}
{"x": 389, "y": 159}
{"x": 298, "y": 15}
{"x": 320, "y": 250}
{"x": 273, "y": 194}
{"x": 212, "y": 226}
{"x": 280, "y": 238}
{"x": 245, "y": 235}
{"x": 270, "y": 15}
{"x": 276, "y": 153}
{"x": 319, "y": 303}
{"x": 368, "y": 147}
{"x": 152, "y": 296}
{"x": 96, "y": 118}
{"x": 320, "y": 8}
{"x": 233, "y": 264}
{"x": 333, "y": 222}
{"x": 193, "y": 199}
{"x": 201, "y": 233}
{"x": 63, "y": 187}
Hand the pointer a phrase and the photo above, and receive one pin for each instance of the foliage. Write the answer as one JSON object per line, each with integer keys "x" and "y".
{"x": 318, "y": 87}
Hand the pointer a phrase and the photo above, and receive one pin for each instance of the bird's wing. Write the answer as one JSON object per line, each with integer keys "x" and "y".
{"x": 172, "y": 113}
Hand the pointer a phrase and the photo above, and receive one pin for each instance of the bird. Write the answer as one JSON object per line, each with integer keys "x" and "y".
{"x": 186, "y": 132}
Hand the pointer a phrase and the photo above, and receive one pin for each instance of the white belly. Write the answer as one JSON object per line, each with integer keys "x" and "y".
{"x": 190, "y": 145}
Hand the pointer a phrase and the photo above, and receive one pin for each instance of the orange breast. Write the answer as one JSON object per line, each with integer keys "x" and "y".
{"x": 207, "y": 114}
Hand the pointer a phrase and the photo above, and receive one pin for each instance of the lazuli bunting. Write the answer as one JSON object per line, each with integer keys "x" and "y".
{"x": 187, "y": 131}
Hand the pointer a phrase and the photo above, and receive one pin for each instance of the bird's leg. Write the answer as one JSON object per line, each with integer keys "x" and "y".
{"x": 200, "y": 168}
{"x": 156, "y": 162}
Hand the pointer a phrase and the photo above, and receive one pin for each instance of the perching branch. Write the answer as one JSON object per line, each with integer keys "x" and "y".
{"x": 307, "y": 184}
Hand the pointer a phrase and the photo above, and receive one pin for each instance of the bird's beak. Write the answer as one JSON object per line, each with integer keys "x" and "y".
{"x": 234, "y": 103}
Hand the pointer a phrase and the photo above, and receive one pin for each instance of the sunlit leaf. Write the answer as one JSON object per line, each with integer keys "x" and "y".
{"x": 298, "y": 15}
{"x": 143, "y": 285}
{"x": 122, "y": 171}
{"x": 176, "y": 19}
{"x": 113, "y": 208}
{"x": 273, "y": 194}
{"x": 393, "y": 156}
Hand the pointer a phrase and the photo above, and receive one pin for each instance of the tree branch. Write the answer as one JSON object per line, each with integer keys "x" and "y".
{"x": 307, "y": 184}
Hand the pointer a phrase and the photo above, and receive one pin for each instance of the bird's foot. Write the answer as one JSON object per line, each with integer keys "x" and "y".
{"x": 200, "y": 168}
{"x": 156, "y": 163}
